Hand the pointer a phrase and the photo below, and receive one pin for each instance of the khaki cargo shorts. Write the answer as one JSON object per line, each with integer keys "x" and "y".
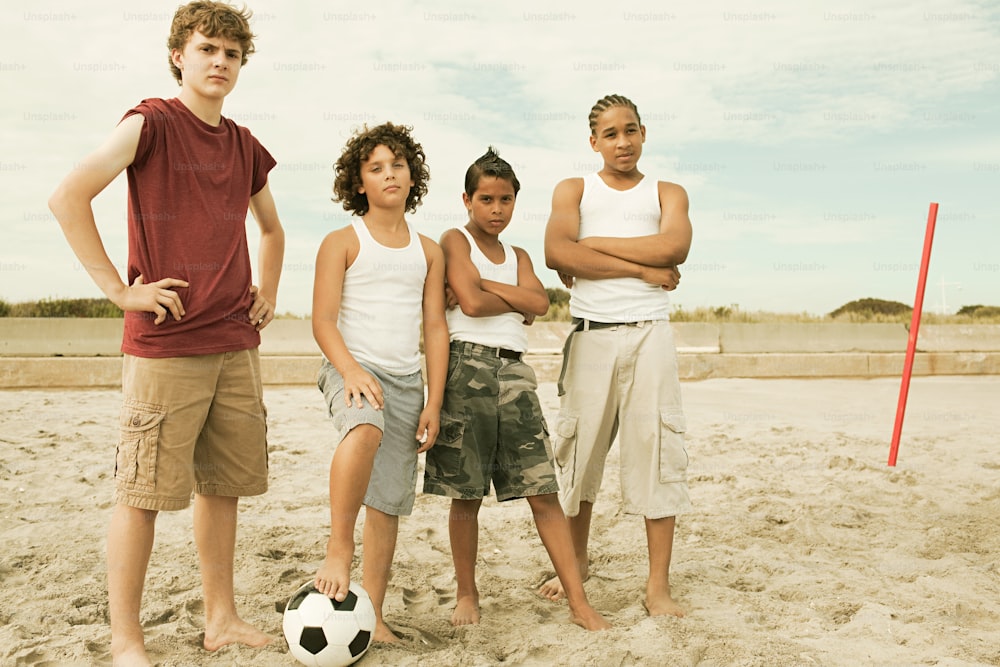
{"x": 621, "y": 382}
{"x": 191, "y": 424}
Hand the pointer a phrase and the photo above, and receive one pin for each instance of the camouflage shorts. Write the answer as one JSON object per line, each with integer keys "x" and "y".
{"x": 492, "y": 430}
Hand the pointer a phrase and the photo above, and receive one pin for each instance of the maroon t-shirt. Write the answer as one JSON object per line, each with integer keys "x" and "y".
{"x": 189, "y": 189}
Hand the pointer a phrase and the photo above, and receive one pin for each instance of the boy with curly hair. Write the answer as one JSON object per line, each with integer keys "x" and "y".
{"x": 193, "y": 416}
{"x": 376, "y": 281}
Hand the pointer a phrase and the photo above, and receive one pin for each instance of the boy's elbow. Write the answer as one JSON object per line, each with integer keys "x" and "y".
{"x": 673, "y": 255}
{"x": 61, "y": 207}
{"x": 676, "y": 258}
{"x": 681, "y": 255}
{"x": 471, "y": 308}
{"x": 554, "y": 261}
{"x": 322, "y": 323}
{"x": 57, "y": 202}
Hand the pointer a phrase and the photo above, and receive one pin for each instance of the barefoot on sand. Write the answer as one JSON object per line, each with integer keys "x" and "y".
{"x": 662, "y": 606}
{"x": 131, "y": 657}
{"x": 588, "y": 618}
{"x": 466, "y": 611}
{"x": 236, "y": 631}
{"x": 384, "y": 634}
{"x": 552, "y": 589}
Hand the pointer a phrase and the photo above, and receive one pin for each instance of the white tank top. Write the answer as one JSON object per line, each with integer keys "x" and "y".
{"x": 605, "y": 211}
{"x": 382, "y": 303}
{"x": 505, "y": 330}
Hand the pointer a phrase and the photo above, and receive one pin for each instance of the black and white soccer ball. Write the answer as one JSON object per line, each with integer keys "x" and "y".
{"x": 322, "y": 632}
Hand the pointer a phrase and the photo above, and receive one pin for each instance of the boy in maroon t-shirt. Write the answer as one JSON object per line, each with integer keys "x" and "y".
{"x": 193, "y": 416}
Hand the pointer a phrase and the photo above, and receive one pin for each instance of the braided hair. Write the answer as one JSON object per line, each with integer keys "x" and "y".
{"x": 606, "y": 103}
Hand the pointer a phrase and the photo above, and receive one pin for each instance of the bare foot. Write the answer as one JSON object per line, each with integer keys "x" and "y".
{"x": 588, "y": 618}
{"x": 384, "y": 634}
{"x": 334, "y": 576}
{"x": 466, "y": 611}
{"x": 553, "y": 588}
{"x": 128, "y": 648}
{"x": 132, "y": 656}
{"x": 235, "y": 631}
{"x": 662, "y": 605}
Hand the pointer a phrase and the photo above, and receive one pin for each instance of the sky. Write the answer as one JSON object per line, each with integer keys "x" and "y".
{"x": 811, "y": 137}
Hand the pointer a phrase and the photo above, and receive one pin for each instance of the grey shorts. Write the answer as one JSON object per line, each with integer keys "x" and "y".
{"x": 492, "y": 429}
{"x": 392, "y": 488}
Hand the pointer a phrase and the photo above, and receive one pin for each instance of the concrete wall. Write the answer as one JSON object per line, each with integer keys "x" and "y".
{"x": 56, "y": 352}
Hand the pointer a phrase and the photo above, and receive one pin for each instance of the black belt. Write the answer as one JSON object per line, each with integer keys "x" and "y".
{"x": 587, "y": 325}
{"x": 501, "y": 352}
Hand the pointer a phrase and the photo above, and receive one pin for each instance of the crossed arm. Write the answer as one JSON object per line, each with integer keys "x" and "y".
{"x": 478, "y": 297}
{"x": 651, "y": 258}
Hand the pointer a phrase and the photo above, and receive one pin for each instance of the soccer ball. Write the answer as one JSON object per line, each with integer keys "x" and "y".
{"x": 322, "y": 632}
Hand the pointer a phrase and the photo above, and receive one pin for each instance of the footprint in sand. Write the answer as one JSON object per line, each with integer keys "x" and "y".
{"x": 194, "y": 613}
{"x": 35, "y": 657}
{"x": 417, "y": 636}
{"x": 419, "y": 603}
{"x": 165, "y": 616}
{"x": 296, "y": 575}
{"x": 100, "y": 652}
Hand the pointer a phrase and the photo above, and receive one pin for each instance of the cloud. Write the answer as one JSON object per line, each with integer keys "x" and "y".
{"x": 774, "y": 117}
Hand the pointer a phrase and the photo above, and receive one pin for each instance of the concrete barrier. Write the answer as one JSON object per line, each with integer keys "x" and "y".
{"x": 57, "y": 352}
{"x": 60, "y": 337}
{"x": 811, "y": 337}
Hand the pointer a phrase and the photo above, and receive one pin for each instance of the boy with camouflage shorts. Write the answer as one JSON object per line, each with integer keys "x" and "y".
{"x": 492, "y": 427}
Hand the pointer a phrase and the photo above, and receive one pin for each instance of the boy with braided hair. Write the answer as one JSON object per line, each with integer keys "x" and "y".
{"x": 616, "y": 238}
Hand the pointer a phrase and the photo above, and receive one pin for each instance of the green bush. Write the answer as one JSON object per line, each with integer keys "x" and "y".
{"x": 732, "y": 313}
{"x": 868, "y": 308}
{"x": 62, "y": 308}
{"x": 979, "y": 311}
{"x": 558, "y": 312}
{"x": 557, "y": 296}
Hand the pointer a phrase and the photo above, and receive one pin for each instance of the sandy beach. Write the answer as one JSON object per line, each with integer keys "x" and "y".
{"x": 804, "y": 547}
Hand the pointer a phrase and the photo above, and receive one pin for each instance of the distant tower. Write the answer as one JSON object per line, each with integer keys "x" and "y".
{"x": 944, "y": 301}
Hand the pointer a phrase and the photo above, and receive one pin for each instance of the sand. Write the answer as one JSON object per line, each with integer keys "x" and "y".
{"x": 804, "y": 548}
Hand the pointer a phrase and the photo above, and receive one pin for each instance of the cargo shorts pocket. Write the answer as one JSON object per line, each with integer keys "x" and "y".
{"x": 673, "y": 455}
{"x": 564, "y": 443}
{"x": 135, "y": 460}
{"x": 455, "y": 363}
{"x": 445, "y": 457}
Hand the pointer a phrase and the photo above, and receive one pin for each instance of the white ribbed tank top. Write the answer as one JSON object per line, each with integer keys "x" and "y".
{"x": 605, "y": 211}
{"x": 382, "y": 303}
{"x": 505, "y": 330}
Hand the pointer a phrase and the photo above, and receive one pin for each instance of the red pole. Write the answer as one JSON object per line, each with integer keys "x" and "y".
{"x": 911, "y": 346}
